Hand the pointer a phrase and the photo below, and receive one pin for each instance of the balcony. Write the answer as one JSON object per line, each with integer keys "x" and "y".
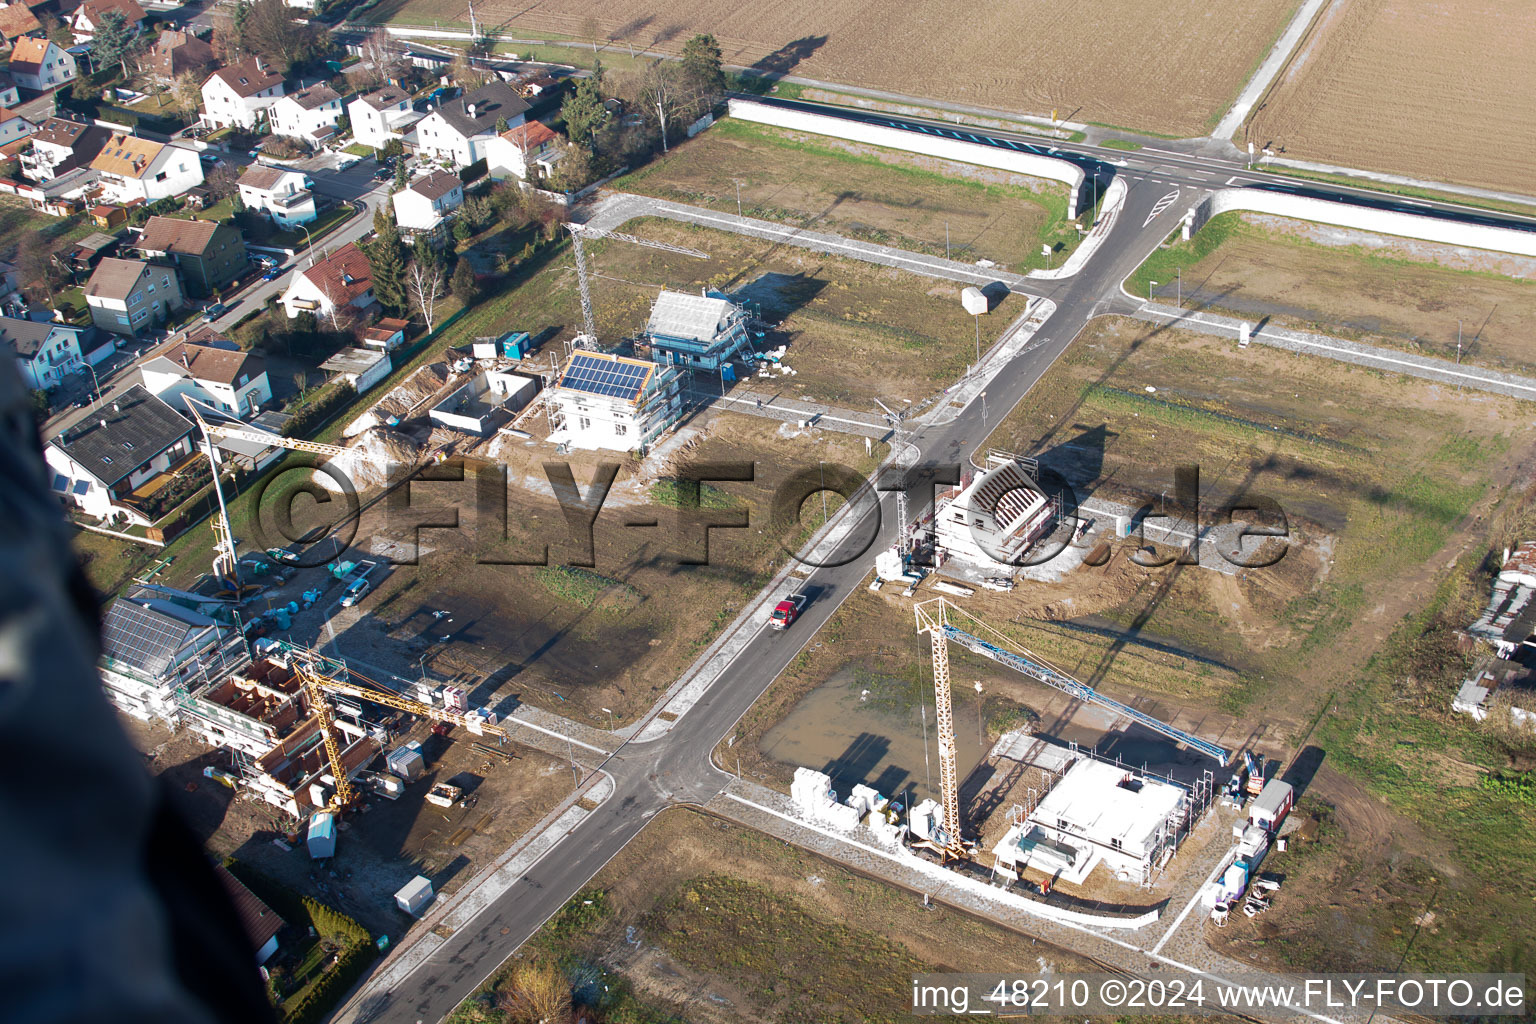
{"x": 292, "y": 199}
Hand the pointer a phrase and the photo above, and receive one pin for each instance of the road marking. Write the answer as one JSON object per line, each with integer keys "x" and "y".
{"x": 1162, "y": 204}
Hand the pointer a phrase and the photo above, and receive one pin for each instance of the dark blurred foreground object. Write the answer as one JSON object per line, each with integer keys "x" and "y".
{"x": 111, "y": 911}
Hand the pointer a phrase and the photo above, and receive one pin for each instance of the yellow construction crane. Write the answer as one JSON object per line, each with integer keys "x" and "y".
{"x": 949, "y": 844}
{"x": 322, "y": 675}
{"x": 580, "y": 231}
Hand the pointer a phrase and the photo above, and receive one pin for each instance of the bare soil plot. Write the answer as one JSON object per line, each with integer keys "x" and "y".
{"x": 715, "y": 923}
{"x": 1436, "y": 91}
{"x": 383, "y": 844}
{"x": 1375, "y": 288}
{"x": 1171, "y": 66}
{"x": 612, "y": 626}
{"x": 865, "y": 192}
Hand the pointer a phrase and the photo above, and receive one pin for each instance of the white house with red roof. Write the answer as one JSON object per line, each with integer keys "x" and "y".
{"x": 341, "y": 279}
{"x": 87, "y": 18}
{"x": 528, "y": 151}
{"x": 41, "y": 64}
{"x": 240, "y": 94}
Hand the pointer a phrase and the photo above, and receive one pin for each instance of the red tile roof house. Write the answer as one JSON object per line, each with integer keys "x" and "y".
{"x": 341, "y": 279}
{"x": 41, "y": 64}
{"x": 87, "y": 18}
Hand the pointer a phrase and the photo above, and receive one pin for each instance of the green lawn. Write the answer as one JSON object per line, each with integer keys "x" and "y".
{"x": 358, "y": 149}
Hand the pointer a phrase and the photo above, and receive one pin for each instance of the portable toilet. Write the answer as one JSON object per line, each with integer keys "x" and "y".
{"x": 322, "y": 835}
{"x": 515, "y": 345}
{"x": 414, "y": 896}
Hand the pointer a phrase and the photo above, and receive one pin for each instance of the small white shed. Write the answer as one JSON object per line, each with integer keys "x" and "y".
{"x": 414, "y": 896}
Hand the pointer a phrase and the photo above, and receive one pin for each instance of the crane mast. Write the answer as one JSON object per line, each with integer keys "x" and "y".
{"x": 588, "y": 324}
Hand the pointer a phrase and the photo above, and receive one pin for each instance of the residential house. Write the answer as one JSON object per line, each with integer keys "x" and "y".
{"x": 133, "y": 168}
{"x": 331, "y": 285}
{"x": 132, "y": 296}
{"x": 460, "y": 130}
{"x": 382, "y": 115}
{"x": 46, "y": 352}
{"x": 997, "y": 518}
{"x": 260, "y": 923}
{"x": 17, "y": 20}
{"x": 613, "y": 402}
{"x": 41, "y": 64}
{"x": 9, "y": 94}
{"x": 240, "y": 94}
{"x": 14, "y": 127}
{"x": 528, "y": 151}
{"x": 309, "y": 114}
{"x": 176, "y": 53}
{"x": 424, "y": 204}
{"x": 279, "y": 194}
{"x": 208, "y": 254}
{"x": 86, "y": 19}
{"x": 159, "y": 644}
{"x": 103, "y": 464}
{"x": 59, "y": 146}
{"x": 221, "y": 376}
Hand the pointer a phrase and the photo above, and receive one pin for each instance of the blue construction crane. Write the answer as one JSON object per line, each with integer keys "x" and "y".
{"x": 1037, "y": 669}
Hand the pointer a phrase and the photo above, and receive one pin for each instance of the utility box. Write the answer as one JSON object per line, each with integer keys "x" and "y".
{"x": 1272, "y": 805}
{"x": 414, "y": 896}
{"x": 322, "y": 836}
{"x": 974, "y": 301}
{"x": 515, "y": 345}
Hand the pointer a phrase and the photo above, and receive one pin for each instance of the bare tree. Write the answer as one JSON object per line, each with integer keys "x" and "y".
{"x": 187, "y": 94}
{"x": 538, "y": 994}
{"x": 659, "y": 93}
{"x": 425, "y": 285}
{"x": 36, "y": 263}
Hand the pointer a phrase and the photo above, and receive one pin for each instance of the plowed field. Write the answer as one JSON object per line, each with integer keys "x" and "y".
{"x": 1171, "y": 66}
{"x": 1438, "y": 91}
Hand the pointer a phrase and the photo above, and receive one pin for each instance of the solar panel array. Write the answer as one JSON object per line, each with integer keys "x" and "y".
{"x": 141, "y": 637}
{"x": 609, "y": 377}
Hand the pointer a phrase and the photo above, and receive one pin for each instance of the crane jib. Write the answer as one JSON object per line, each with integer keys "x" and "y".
{"x": 1082, "y": 691}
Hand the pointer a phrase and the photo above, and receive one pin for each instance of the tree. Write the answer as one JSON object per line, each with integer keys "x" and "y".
{"x": 704, "y": 62}
{"x": 402, "y": 177}
{"x": 111, "y": 41}
{"x": 387, "y": 263}
{"x": 659, "y": 94}
{"x": 462, "y": 232}
{"x": 423, "y": 254}
{"x": 36, "y": 264}
{"x": 268, "y": 29}
{"x": 467, "y": 72}
{"x": 502, "y": 126}
{"x": 426, "y": 282}
{"x": 187, "y": 94}
{"x": 538, "y": 992}
{"x": 464, "y": 284}
{"x": 584, "y": 115}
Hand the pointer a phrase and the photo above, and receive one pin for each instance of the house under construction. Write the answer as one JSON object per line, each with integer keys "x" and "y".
{"x": 611, "y": 402}
{"x": 996, "y": 517}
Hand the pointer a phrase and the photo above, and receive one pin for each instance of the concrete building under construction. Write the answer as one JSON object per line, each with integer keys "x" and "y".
{"x": 995, "y": 518}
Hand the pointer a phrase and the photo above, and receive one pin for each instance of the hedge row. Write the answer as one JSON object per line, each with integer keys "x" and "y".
{"x": 333, "y": 984}
{"x": 318, "y": 409}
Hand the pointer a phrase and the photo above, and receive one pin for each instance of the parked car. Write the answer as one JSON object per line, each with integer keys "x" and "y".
{"x": 272, "y": 274}
{"x": 215, "y": 311}
{"x": 211, "y": 159}
{"x": 382, "y": 173}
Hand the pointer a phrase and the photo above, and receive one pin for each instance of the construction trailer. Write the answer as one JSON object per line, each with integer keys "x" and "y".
{"x": 1273, "y": 804}
{"x": 414, "y": 896}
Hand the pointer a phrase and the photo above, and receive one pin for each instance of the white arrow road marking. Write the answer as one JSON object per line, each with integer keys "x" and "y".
{"x": 1162, "y": 204}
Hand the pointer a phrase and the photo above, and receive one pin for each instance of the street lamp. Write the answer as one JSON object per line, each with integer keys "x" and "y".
{"x": 610, "y": 718}
{"x": 1179, "y": 293}
{"x": 983, "y": 408}
{"x": 977, "y": 318}
{"x": 738, "y": 196}
{"x": 1150, "y": 286}
{"x": 980, "y": 741}
{"x": 309, "y": 245}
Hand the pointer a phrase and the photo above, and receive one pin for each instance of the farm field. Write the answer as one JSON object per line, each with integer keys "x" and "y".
{"x": 1374, "y": 288}
{"x": 1425, "y": 90}
{"x": 877, "y": 195}
{"x": 1172, "y": 66}
{"x": 704, "y": 921}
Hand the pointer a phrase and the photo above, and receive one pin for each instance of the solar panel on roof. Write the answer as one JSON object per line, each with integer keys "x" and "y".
{"x": 605, "y": 377}
{"x": 61, "y": 483}
{"x": 141, "y": 637}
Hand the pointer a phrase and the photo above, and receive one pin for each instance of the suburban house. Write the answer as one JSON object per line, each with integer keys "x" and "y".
{"x": 613, "y": 402}
{"x": 309, "y": 114}
{"x": 240, "y": 94}
{"x": 329, "y": 285}
{"x": 120, "y": 455}
{"x": 460, "y": 130}
{"x": 228, "y": 379}
{"x": 257, "y": 919}
{"x": 46, "y": 352}
{"x": 59, "y": 145}
{"x": 381, "y": 115}
{"x": 176, "y": 53}
{"x": 280, "y": 195}
{"x": 9, "y": 96}
{"x": 528, "y": 151}
{"x": 158, "y": 644}
{"x": 132, "y": 168}
{"x": 132, "y": 296}
{"x": 17, "y": 20}
{"x": 208, "y": 254}
{"x": 41, "y": 64}
{"x": 387, "y": 334}
{"x": 14, "y": 127}
{"x": 423, "y": 205}
{"x": 87, "y": 18}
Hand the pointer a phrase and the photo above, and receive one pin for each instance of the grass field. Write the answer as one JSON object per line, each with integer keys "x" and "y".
{"x": 703, "y": 921}
{"x": 865, "y": 192}
{"x": 1374, "y": 288}
{"x": 1172, "y": 66}
{"x": 1412, "y": 88}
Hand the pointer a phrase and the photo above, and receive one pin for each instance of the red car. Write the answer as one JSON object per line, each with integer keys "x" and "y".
{"x": 787, "y": 611}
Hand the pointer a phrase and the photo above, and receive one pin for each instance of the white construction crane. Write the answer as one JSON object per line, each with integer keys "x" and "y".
{"x": 589, "y": 328}
{"x": 225, "y": 561}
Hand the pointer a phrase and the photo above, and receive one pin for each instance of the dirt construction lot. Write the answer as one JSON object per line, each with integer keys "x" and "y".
{"x": 1436, "y": 91}
{"x": 1172, "y": 66}
{"x": 1373, "y": 288}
